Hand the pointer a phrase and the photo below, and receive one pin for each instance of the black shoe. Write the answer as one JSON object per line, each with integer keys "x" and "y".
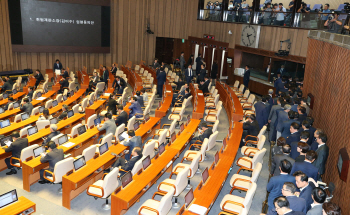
{"x": 13, "y": 171}
{"x": 43, "y": 182}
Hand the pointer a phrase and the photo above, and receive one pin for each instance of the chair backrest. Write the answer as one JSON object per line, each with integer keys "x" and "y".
{"x": 181, "y": 180}
{"x": 218, "y": 112}
{"x": 90, "y": 121}
{"x": 42, "y": 124}
{"x": 62, "y": 167}
{"x": 24, "y": 131}
{"x": 75, "y": 108}
{"x": 215, "y": 126}
{"x": 188, "y": 101}
{"x": 35, "y": 111}
{"x": 137, "y": 67}
{"x": 92, "y": 96}
{"x": 18, "y": 118}
{"x": 48, "y": 104}
{"x": 165, "y": 203}
{"x": 137, "y": 166}
{"x": 194, "y": 165}
{"x": 262, "y": 131}
{"x": 204, "y": 148}
{"x": 251, "y": 98}
{"x": 100, "y": 86}
{"x": 212, "y": 140}
{"x": 241, "y": 88}
{"x": 219, "y": 104}
{"x": 45, "y": 85}
{"x": 110, "y": 182}
{"x": 249, "y": 198}
{"x": 258, "y": 157}
{"x": 75, "y": 130}
{"x": 142, "y": 69}
{"x": 148, "y": 149}
{"x": 246, "y": 93}
{"x": 236, "y": 84}
{"x": 84, "y": 103}
{"x": 256, "y": 172}
{"x": 89, "y": 152}
{"x": 65, "y": 92}
{"x": 119, "y": 130}
{"x": 182, "y": 111}
{"x": 216, "y": 100}
{"x": 261, "y": 142}
{"x": 131, "y": 123}
{"x": 172, "y": 126}
{"x": 72, "y": 86}
{"x": 28, "y": 152}
{"x": 59, "y": 98}
{"x": 162, "y": 136}
{"x": 55, "y": 138}
{"x": 34, "y": 94}
{"x": 10, "y": 106}
{"x": 108, "y": 139}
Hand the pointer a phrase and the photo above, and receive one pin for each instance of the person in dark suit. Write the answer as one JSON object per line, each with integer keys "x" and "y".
{"x": 273, "y": 118}
{"x": 182, "y": 61}
{"x": 114, "y": 69}
{"x": 281, "y": 118}
{"x": 7, "y": 87}
{"x": 302, "y": 149}
{"x": 246, "y": 77}
{"x": 64, "y": 84}
{"x": 64, "y": 73}
{"x": 204, "y": 85}
{"x": 134, "y": 141}
{"x": 270, "y": 98}
{"x": 139, "y": 98}
{"x": 275, "y": 185}
{"x": 10, "y": 100}
{"x": 322, "y": 154}
{"x": 261, "y": 112}
{"x": 136, "y": 154}
{"x": 190, "y": 60}
{"x": 201, "y": 74}
{"x": 275, "y": 171}
{"x": 54, "y": 132}
{"x": 189, "y": 74}
{"x": 306, "y": 166}
{"x": 53, "y": 156}
{"x": 178, "y": 101}
{"x": 305, "y": 126}
{"x": 57, "y": 65}
{"x": 122, "y": 117}
{"x": 302, "y": 114}
{"x": 16, "y": 148}
{"x": 198, "y": 63}
{"x": 203, "y": 132}
{"x": 65, "y": 109}
{"x": 282, "y": 71}
{"x": 267, "y": 110}
{"x": 303, "y": 103}
{"x": 214, "y": 71}
{"x": 119, "y": 84}
{"x": 277, "y": 148}
{"x": 277, "y": 83}
{"x": 296, "y": 102}
{"x": 135, "y": 108}
{"x": 105, "y": 76}
{"x": 319, "y": 197}
{"x": 314, "y": 145}
{"x": 294, "y": 134}
{"x": 155, "y": 64}
{"x": 251, "y": 126}
{"x": 93, "y": 81}
{"x": 161, "y": 78}
{"x": 283, "y": 207}
{"x": 304, "y": 136}
{"x": 305, "y": 188}
{"x": 285, "y": 132}
{"x": 39, "y": 77}
{"x": 26, "y": 106}
{"x": 112, "y": 104}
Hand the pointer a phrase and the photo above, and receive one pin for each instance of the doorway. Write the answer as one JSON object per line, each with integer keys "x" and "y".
{"x": 164, "y": 49}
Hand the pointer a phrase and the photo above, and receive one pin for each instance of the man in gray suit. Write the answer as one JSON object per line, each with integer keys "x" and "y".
{"x": 53, "y": 156}
{"x": 272, "y": 119}
{"x": 319, "y": 196}
{"x": 109, "y": 125}
{"x": 275, "y": 171}
{"x": 322, "y": 154}
{"x": 16, "y": 148}
{"x": 135, "y": 141}
{"x": 54, "y": 132}
{"x": 26, "y": 106}
{"x": 182, "y": 62}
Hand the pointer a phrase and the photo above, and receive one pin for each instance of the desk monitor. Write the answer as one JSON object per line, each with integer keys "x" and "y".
{"x": 5, "y": 123}
{"x": 216, "y": 158}
{"x": 189, "y": 198}
{"x": 146, "y": 162}
{"x": 146, "y": 117}
{"x": 91, "y": 102}
{"x": 54, "y": 103}
{"x": 136, "y": 125}
{"x": 159, "y": 104}
{"x": 188, "y": 118}
{"x": 38, "y": 95}
{"x": 63, "y": 139}
{"x": 81, "y": 130}
{"x": 77, "y": 88}
{"x": 6, "y": 141}
{"x": 32, "y": 130}
{"x": 24, "y": 116}
{"x": 1, "y": 110}
{"x": 53, "y": 121}
{"x": 121, "y": 136}
{"x": 161, "y": 148}
{"x": 70, "y": 113}
{"x": 103, "y": 148}
{"x": 64, "y": 97}
{"x": 71, "y": 93}
{"x": 79, "y": 163}
{"x": 182, "y": 127}
{"x": 97, "y": 121}
{"x": 41, "y": 109}
{"x": 223, "y": 144}
{"x": 8, "y": 198}
{"x": 126, "y": 179}
{"x": 38, "y": 150}
{"x": 5, "y": 95}
{"x": 14, "y": 91}
{"x": 15, "y": 105}
{"x": 173, "y": 137}
{"x": 205, "y": 175}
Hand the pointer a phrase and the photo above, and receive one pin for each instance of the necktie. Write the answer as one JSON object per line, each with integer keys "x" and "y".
{"x": 190, "y": 72}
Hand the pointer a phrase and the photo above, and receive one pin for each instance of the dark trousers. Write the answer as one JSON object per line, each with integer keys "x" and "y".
{"x": 7, "y": 161}
{"x": 160, "y": 90}
{"x": 193, "y": 141}
{"x": 188, "y": 80}
{"x": 42, "y": 174}
{"x": 37, "y": 84}
{"x": 119, "y": 162}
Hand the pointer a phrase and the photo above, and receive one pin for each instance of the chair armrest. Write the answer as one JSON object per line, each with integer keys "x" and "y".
{"x": 53, "y": 175}
{"x": 251, "y": 153}
{"x": 193, "y": 153}
{"x": 166, "y": 125}
{"x": 212, "y": 110}
{"x": 245, "y": 159}
{"x": 245, "y": 139}
{"x": 158, "y": 193}
{"x": 172, "y": 185}
{"x": 198, "y": 146}
{"x": 103, "y": 177}
{"x": 249, "y": 148}
{"x": 98, "y": 187}
{"x": 244, "y": 168}
{"x": 243, "y": 99}
{"x": 155, "y": 135}
{"x": 239, "y": 188}
{"x": 231, "y": 202}
{"x": 120, "y": 169}
{"x": 16, "y": 165}
{"x": 181, "y": 167}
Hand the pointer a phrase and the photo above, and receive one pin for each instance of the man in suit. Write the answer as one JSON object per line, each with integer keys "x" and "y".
{"x": 246, "y": 77}
{"x": 277, "y": 83}
{"x": 275, "y": 171}
{"x": 189, "y": 74}
{"x": 314, "y": 145}
{"x": 39, "y": 77}
{"x": 275, "y": 185}
{"x": 109, "y": 125}
{"x": 122, "y": 117}
{"x": 135, "y": 108}
{"x": 203, "y": 132}
{"x": 306, "y": 166}
{"x": 178, "y": 101}
{"x": 283, "y": 207}
{"x": 136, "y": 154}
{"x": 53, "y": 156}
{"x": 64, "y": 73}
{"x": 302, "y": 114}
{"x": 54, "y": 132}
{"x": 64, "y": 84}
{"x": 303, "y": 103}
{"x": 319, "y": 197}
{"x": 161, "y": 78}
{"x": 7, "y": 87}
{"x": 119, "y": 84}
{"x": 30, "y": 92}
{"x": 282, "y": 71}
{"x": 65, "y": 109}
{"x": 139, "y": 98}
{"x": 305, "y": 188}
{"x": 251, "y": 127}
{"x": 294, "y": 134}
{"x": 304, "y": 136}
{"x": 204, "y": 85}
{"x": 295, "y": 105}
{"x": 105, "y": 76}
{"x": 322, "y": 154}
{"x": 260, "y": 111}
{"x": 270, "y": 99}
{"x": 26, "y": 106}
{"x": 114, "y": 69}
{"x": 155, "y": 65}
{"x": 201, "y": 74}
{"x": 282, "y": 117}
{"x": 57, "y": 65}
{"x": 134, "y": 141}
{"x": 305, "y": 126}
{"x": 198, "y": 63}
{"x": 16, "y": 148}
{"x": 93, "y": 81}
{"x": 182, "y": 61}
{"x": 273, "y": 118}
{"x": 286, "y": 124}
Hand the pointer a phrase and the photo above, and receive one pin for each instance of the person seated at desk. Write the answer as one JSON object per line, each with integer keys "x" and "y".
{"x": 204, "y": 131}
{"x": 122, "y": 117}
{"x": 39, "y": 77}
{"x": 16, "y": 148}
{"x": 65, "y": 109}
{"x": 64, "y": 84}
{"x": 7, "y": 87}
{"x": 179, "y": 84}
{"x": 45, "y": 115}
{"x": 93, "y": 81}
{"x": 53, "y": 156}
{"x": 9, "y": 80}
{"x": 114, "y": 69}
{"x": 112, "y": 104}
{"x": 133, "y": 142}
{"x": 144, "y": 95}
{"x": 119, "y": 84}
{"x": 122, "y": 163}
{"x": 53, "y": 133}
{"x": 26, "y": 106}
{"x": 178, "y": 101}
{"x": 30, "y": 92}
{"x": 108, "y": 125}
{"x": 251, "y": 125}
{"x": 64, "y": 73}
{"x": 204, "y": 85}
{"x": 135, "y": 108}
{"x": 10, "y": 100}
{"x": 57, "y": 65}
{"x": 140, "y": 98}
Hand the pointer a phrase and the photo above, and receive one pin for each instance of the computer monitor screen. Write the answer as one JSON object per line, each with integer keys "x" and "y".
{"x": 161, "y": 148}
{"x": 146, "y": 162}
{"x": 159, "y": 104}
{"x": 14, "y": 91}
{"x": 24, "y": 116}
{"x": 15, "y": 105}
{"x": 70, "y": 113}
{"x": 6, "y": 141}
{"x": 53, "y": 121}
{"x": 54, "y": 103}
{"x": 5, "y": 95}
{"x": 97, "y": 121}
{"x": 216, "y": 158}
{"x": 173, "y": 137}
{"x": 5, "y": 123}
{"x": 79, "y": 163}
{"x": 72, "y": 93}
{"x": 182, "y": 127}
{"x": 1, "y": 110}
{"x": 188, "y": 118}
{"x": 63, "y": 139}
{"x": 45, "y": 90}
{"x": 136, "y": 126}
{"x": 38, "y": 150}
{"x": 77, "y": 88}
{"x": 205, "y": 175}
{"x": 147, "y": 117}
{"x": 224, "y": 144}
{"x": 8, "y": 198}
{"x": 38, "y": 95}
{"x": 41, "y": 109}
{"x": 91, "y": 102}
{"x": 126, "y": 179}
{"x": 189, "y": 198}
{"x": 81, "y": 130}
{"x": 103, "y": 148}
{"x": 64, "y": 97}
{"x": 32, "y": 130}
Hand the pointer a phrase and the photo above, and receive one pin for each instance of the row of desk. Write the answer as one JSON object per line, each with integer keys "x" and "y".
{"x": 17, "y": 96}
{"x": 198, "y": 103}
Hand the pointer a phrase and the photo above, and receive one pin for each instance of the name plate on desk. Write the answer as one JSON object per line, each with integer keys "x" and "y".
{"x": 197, "y": 209}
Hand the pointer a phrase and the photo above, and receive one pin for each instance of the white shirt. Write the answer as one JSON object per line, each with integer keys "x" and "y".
{"x": 315, "y": 204}
{"x": 307, "y": 161}
{"x": 320, "y": 145}
{"x": 190, "y": 73}
{"x": 288, "y": 212}
{"x": 301, "y": 189}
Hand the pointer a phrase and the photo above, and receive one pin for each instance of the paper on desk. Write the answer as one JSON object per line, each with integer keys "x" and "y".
{"x": 197, "y": 209}
{"x": 125, "y": 136}
{"x": 41, "y": 98}
{"x": 69, "y": 144}
{"x": 200, "y": 94}
{"x": 168, "y": 91}
{"x": 8, "y": 143}
{"x": 106, "y": 94}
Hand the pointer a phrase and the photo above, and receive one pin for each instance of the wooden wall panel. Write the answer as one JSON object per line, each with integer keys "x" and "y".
{"x": 326, "y": 77}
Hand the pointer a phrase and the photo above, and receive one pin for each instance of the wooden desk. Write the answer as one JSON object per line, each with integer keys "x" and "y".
{"x": 95, "y": 108}
{"x": 83, "y": 79}
{"x": 181, "y": 141}
{"x": 79, "y": 181}
{"x": 131, "y": 78}
{"x": 148, "y": 129}
{"x": 30, "y": 83}
{"x": 50, "y": 73}
{"x": 17, "y": 96}
{"x": 70, "y": 101}
{"x": 234, "y": 110}
{"x": 161, "y": 112}
{"x": 18, "y": 207}
{"x": 198, "y": 112}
